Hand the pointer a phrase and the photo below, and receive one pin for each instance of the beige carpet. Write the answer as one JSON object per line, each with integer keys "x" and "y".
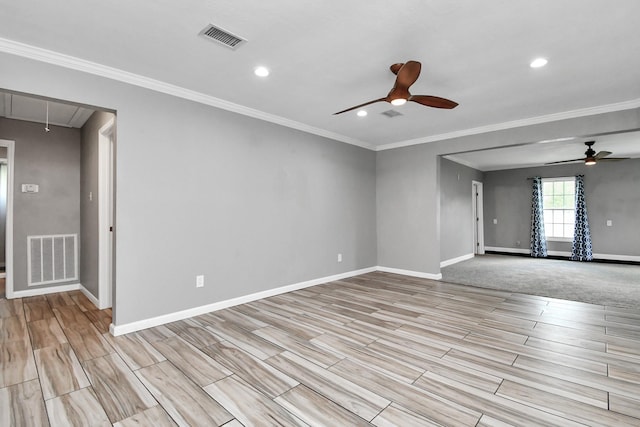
{"x": 596, "y": 283}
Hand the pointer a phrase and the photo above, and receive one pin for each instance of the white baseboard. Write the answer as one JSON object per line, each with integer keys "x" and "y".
{"x": 456, "y": 260}
{"x": 90, "y": 296}
{"x": 196, "y": 311}
{"x": 632, "y": 258}
{"x": 559, "y": 253}
{"x": 410, "y": 273}
{"x": 45, "y": 291}
{"x": 609, "y": 257}
{"x": 507, "y": 250}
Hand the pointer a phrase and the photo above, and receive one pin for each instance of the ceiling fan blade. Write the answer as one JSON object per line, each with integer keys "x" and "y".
{"x": 566, "y": 161}
{"x": 407, "y": 74}
{"x": 602, "y": 154}
{"x": 361, "y": 105}
{"x": 433, "y": 101}
{"x": 613, "y": 159}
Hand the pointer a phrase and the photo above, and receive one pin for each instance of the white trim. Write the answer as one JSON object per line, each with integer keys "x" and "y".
{"x": 559, "y": 253}
{"x": 10, "y": 145}
{"x": 105, "y": 213}
{"x": 45, "y": 291}
{"x": 74, "y": 63}
{"x": 508, "y": 250}
{"x": 410, "y": 273}
{"x": 559, "y": 178}
{"x": 3, "y": 275}
{"x": 632, "y": 258}
{"x": 456, "y": 260}
{"x": 572, "y": 114}
{"x": 44, "y": 55}
{"x": 559, "y": 239}
{"x": 196, "y": 311}
{"x": 477, "y": 204}
{"x": 90, "y": 296}
{"x": 596, "y": 256}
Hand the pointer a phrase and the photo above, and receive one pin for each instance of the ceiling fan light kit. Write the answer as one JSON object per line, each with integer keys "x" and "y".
{"x": 407, "y": 74}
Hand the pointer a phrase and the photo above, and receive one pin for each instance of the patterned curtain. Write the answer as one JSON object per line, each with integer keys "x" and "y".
{"x": 538, "y": 239}
{"x": 581, "y": 249}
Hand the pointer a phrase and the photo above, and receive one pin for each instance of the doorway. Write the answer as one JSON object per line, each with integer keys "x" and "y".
{"x": 477, "y": 218}
{"x": 106, "y": 137}
{"x": 7, "y": 148}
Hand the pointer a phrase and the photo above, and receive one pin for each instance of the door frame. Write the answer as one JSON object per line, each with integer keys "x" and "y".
{"x": 8, "y": 262}
{"x": 106, "y": 136}
{"x": 478, "y": 217}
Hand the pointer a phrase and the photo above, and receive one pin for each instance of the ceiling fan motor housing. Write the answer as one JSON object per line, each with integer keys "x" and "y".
{"x": 590, "y": 151}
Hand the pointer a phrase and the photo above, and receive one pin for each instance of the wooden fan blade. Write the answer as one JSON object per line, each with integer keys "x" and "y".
{"x": 407, "y": 74}
{"x": 361, "y": 105}
{"x": 566, "y": 161}
{"x": 602, "y": 154}
{"x": 613, "y": 159}
{"x": 433, "y": 101}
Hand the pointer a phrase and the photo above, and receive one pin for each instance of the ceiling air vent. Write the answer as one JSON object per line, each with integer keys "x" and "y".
{"x": 217, "y": 34}
{"x": 391, "y": 113}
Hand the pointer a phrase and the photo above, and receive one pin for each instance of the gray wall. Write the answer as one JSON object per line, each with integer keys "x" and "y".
{"x": 405, "y": 198}
{"x": 456, "y": 209}
{"x": 249, "y": 204}
{"x": 408, "y": 178}
{"x": 611, "y": 192}
{"x": 89, "y": 208}
{"x": 51, "y": 160}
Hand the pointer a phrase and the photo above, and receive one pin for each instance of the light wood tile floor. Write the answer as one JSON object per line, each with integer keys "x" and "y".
{"x": 377, "y": 349}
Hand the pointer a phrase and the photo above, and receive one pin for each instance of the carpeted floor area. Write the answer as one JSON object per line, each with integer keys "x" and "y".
{"x": 596, "y": 283}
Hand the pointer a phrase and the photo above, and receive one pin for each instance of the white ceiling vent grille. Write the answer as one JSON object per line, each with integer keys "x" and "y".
{"x": 391, "y": 113}
{"x": 218, "y": 35}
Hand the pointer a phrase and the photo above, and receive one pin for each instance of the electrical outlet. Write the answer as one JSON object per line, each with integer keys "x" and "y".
{"x": 495, "y": 220}
{"x": 339, "y": 257}
{"x": 609, "y": 223}
{"x": 199, "y": 281}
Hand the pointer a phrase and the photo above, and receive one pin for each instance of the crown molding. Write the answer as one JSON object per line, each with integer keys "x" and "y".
{"x": 590, "y": 111}
{"x": 67, "y": 61}
{"x": 71, "y": 62}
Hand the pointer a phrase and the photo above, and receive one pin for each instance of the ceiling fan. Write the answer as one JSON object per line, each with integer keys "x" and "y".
{"x": 591, "y": 157}
{"x": 407, "y": 74}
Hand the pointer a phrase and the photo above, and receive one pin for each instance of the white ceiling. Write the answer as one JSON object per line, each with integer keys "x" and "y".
{"x": 32, "y": 109}
{"x": 542, "y": 152}
{"x": 326, "y": 56}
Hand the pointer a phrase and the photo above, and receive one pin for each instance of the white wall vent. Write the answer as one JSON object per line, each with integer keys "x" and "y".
{"x": 217, "y": 34}
{"x": 52, "y": 259}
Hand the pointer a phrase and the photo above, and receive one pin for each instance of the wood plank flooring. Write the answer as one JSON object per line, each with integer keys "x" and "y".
{"x": 378, "y": 349}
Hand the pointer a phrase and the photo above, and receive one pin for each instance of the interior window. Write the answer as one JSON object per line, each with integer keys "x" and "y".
{"x": 559, "y": 207}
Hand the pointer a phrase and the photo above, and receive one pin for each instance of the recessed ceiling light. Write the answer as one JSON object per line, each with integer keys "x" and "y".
{"x": 261, "y": 71}
{"x": 362, "y": 113}
{"x": 538, "y": 62}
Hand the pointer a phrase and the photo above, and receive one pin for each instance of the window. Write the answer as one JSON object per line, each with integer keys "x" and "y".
{"x": 559, "y": 207}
